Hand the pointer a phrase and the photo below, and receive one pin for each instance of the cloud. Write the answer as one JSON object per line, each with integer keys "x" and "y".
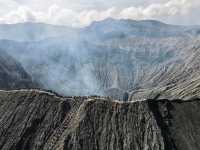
{"x": 22, "y": 14}
{"x": 62, "y": 16}
{"x": 170, "y": 8}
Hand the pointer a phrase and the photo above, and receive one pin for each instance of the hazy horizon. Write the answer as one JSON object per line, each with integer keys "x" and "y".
{"x": 68, "y": 26}
{"x": 81, "y": 13}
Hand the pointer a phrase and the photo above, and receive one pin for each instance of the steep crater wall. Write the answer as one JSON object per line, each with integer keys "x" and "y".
{"x": 35, "y": 120}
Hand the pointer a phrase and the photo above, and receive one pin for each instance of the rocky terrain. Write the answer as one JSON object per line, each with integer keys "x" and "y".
{"x": 36, "y": 120}
{"x": 146, "y": 72}
{"x": 174, "y": 80}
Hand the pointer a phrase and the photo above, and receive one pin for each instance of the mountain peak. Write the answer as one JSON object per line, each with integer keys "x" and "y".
{"x": 128, "y": 21}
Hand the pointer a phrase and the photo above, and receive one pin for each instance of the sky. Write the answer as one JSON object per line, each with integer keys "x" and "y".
{"x": 79, "y": 13}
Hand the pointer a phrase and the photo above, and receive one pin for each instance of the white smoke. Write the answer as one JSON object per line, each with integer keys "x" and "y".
{"x": 62, "y": 16}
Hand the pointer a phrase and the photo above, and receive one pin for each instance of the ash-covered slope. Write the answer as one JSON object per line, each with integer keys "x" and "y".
{"x": 105, "y": 58}
{"x": 36, "y": 120}
{"x": 112, "y": 57}
{"x": 178, "y": 79}
{"x": 12, "y": 74}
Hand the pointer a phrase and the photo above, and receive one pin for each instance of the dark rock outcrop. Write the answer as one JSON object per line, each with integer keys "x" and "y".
{"x": 36, "y": 120}
{"x": 12, "y": 74}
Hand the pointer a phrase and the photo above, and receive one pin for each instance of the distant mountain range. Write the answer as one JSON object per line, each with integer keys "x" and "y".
{"x": 23, "y": 32}
{"x": 108, "y": 28}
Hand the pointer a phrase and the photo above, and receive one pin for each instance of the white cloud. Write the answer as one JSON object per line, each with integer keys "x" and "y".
{"x": 22, "y": 14}
{"x": 62, "y": 16}
{"x": 170, "y": 8}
